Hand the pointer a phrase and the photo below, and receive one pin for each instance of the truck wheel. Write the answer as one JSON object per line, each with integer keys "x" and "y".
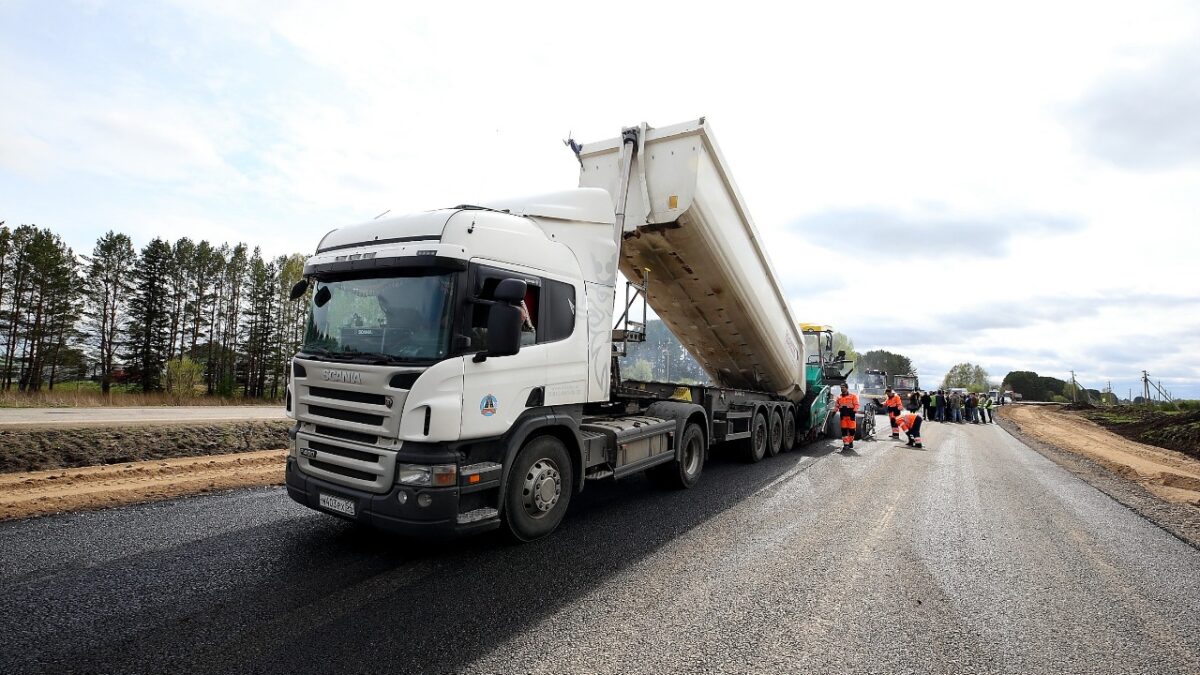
{"x": 774, "y": 434}
{"x": 682, "y": 473}
{"x": 755, "y": 447}
{"x": 789, "y": 431}
{"x": 539, "y": 489}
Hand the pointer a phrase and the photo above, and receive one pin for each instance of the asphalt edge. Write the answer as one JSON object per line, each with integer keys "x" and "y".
{"x": 1178, "y": 520}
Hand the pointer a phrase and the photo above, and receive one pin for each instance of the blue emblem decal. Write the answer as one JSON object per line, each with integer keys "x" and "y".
{"x": 487, "y": 406}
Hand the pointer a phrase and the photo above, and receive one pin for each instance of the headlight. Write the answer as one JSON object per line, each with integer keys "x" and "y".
{"x": 438, "y": 475}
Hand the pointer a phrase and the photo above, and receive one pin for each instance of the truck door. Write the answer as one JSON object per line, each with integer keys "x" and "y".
{"x": 496, "y": 391}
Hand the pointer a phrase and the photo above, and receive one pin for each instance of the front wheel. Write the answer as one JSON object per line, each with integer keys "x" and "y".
{"x": 539, "y": 489}
{"x": 684, "y": 472}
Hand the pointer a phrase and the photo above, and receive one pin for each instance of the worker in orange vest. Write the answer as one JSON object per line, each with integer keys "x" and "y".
{"x": 893, "y": 405}
{"x": 911, "y": 424}
{"x": 847, "y": 405}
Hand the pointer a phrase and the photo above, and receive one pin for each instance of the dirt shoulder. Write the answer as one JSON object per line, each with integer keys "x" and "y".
{"x": 1173, "y": 476}
{"x": 1160, "y": 484}
{"x": 39, "y": 493}
{"x": 39, "y": 448}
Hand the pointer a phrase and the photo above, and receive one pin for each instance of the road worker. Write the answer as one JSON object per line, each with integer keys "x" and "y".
{"x": 894, "y": 406}
{"x": 911, "y": 424}
{"x": 985, "y": 409}
{"x": 847, "y": 405}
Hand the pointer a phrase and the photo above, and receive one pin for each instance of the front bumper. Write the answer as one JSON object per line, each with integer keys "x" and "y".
{"x": 384, "y": 511}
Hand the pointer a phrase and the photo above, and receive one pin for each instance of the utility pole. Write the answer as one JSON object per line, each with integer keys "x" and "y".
{"x": 1146, "y": 387}
{"x": 1074, "y": 388}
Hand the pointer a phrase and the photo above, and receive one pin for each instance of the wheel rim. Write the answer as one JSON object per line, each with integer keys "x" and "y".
{"x": 789, "y": 430}
{"x": 776, "y": 432}
{"x": 691, "y": 456}
{"x": 760, "y": 438}
{"x": 542, "y": 488}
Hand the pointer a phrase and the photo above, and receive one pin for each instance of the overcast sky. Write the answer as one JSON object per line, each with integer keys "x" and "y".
{"x": 1015, "y": 186}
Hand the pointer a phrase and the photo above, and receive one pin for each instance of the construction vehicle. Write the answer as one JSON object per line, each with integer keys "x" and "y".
{"x": 459, "y": 371}
{"x": 872, "y": 387}
{"x": 823, "y": 371}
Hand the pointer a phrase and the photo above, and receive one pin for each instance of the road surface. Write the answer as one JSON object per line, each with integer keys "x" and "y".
{"x": 974, "y": 555}
{"x": 40, "y": 417}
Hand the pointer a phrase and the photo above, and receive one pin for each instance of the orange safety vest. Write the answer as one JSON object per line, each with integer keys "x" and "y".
{"x": 906, "y": 421}
{"x": 848, "y": 401}
{"x": 893, "y": 402}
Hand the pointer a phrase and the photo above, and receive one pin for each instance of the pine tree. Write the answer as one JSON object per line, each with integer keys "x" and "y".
{"x": 149, "y": 314}
{"x": 108, "y": 285}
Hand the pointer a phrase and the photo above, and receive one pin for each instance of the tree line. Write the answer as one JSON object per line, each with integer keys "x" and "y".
{"x": 170, "y": 315}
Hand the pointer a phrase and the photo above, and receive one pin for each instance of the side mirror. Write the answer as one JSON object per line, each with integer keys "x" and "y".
{"x": 323, "y": 296}
{"x": 511, "y": 291}
{"x": 299, "y": 289}
{"x": 504, "y": 320}
{"x": 504, "y": 331}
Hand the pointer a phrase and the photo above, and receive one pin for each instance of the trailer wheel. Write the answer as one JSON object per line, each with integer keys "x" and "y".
{"x": 774, "y": 433}
{"x": 539, "y": 489}
{"x": 789, "y": 430}
{"x": 684, "y": 472}
{"x": 755, "y": 447}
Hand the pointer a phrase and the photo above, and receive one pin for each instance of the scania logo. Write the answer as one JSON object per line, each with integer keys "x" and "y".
{"x": 347, "y": 376}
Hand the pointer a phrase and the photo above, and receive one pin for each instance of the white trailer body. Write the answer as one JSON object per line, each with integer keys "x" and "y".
{"x": 711, "y": 282}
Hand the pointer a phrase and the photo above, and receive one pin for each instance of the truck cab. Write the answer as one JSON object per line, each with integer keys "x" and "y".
{"x": 398, "y": 373}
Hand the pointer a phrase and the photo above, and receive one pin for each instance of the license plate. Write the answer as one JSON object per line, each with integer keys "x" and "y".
{"x": 339, "y": 504}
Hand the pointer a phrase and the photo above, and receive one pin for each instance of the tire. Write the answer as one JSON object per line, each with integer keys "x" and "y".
{"x": 864, "y": 427}
{"x": 789, "y": 430}
{"x": 539, "y": 489}
{"x": 774, "y": 433}
{"x": 682, "y": 473}
{"x": 755, "y": 447}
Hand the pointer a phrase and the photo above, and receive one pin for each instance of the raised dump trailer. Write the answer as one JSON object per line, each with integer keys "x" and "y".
{"x": 710, "y": 281}
{"x": 457, "y": 372}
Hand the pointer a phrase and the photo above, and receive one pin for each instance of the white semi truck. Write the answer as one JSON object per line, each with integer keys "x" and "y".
{"x": 459, "y": 369}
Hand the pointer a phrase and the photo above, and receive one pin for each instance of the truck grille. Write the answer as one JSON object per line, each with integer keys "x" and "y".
{"x": 346, "y": 435}
{"x": 341, "y": 470}
{"x": 365, "y": 467}
{"x": 346, "y": 415}
{"x": 344, "y": 395}
{"x": 347, "y": 423}
{"x": 348, "y": 453}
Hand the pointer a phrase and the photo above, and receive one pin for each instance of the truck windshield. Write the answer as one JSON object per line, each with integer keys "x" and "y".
{"x": 398, "y": 318}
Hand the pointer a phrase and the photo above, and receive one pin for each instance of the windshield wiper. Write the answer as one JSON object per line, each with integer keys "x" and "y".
{"x": 318, "y": 351}
{"x": 376, "y": 358}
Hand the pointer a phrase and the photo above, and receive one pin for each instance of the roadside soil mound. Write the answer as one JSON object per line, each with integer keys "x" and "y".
{"x": 45, "y": 448}
{"x": 1166, "y": 429}
{"x": 44, "y": 492}
{"x": 1169, "y": 475}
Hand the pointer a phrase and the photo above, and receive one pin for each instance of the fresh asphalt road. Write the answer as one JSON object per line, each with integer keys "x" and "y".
{"x": 42, "y": 417}
{"x": 974, "y": 555}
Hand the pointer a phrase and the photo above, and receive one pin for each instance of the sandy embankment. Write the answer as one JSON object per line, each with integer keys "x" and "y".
{"x": 44, "y": 492}
{"x": 1169, "y": 475}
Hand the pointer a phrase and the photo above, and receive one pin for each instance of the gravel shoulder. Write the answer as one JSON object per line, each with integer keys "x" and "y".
{"x": 1158, "y": 484}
